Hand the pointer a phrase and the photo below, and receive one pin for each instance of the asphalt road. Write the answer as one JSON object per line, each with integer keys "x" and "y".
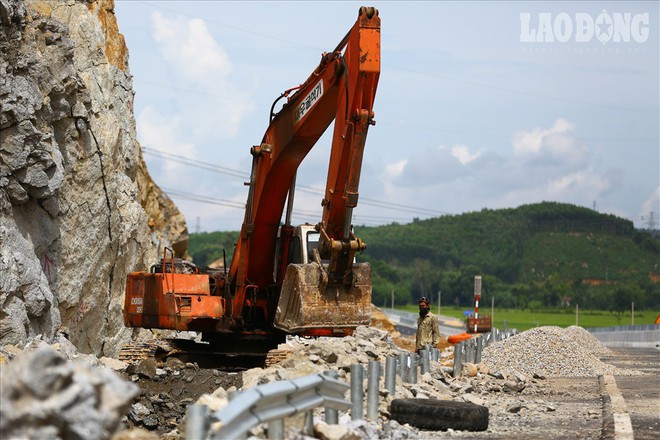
{"x": 641, "y": 393}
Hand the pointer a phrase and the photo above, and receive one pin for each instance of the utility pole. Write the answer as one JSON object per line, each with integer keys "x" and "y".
{"x": 576, "y": 314}
{"x": 632, "y": 313}
{"x": 198, "y": 225}
{"x": 392, "y": 299}
{"x": 492, "y": 310}
{"x": 439, "y": 295}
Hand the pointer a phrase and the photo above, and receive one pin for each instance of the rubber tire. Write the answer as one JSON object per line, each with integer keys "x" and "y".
{"x": 440, "y": 415}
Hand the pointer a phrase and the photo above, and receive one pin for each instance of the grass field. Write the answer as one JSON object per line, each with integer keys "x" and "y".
{"x": 524, "y": 319}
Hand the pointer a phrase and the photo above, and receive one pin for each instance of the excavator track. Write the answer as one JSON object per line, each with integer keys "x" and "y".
{"x": 137, "y": 352}
{"x": 217, "y": 355}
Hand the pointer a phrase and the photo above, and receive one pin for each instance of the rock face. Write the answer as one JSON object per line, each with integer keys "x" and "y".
{"x": 73, "y": 186}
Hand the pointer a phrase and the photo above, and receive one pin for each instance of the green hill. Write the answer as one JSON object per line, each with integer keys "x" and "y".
{"x": 534, "y": 256}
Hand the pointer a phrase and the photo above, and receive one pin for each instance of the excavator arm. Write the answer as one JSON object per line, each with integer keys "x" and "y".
{"x": 342, "y": 88}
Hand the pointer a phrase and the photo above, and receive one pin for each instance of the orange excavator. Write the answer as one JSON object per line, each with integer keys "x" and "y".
{"x": 285, "y": 279}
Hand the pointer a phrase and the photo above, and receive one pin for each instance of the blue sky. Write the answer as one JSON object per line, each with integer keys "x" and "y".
{"x": 468, "y": 115}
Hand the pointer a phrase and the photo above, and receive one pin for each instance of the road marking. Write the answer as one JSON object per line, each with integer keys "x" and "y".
{"x": 622, "y": 424}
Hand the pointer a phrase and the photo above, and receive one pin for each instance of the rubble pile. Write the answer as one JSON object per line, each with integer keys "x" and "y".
{"x": 310, "y": 356}
{"x": 547, "y": 351}
{"x": 44, "y": 395}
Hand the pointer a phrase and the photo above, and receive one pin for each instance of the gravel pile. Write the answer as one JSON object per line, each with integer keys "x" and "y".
{"x": 547, "y": 351}
{"x": 587, "y": 341}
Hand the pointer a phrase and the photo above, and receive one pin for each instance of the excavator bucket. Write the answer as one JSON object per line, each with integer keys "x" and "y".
{"x": 305, "y": 304}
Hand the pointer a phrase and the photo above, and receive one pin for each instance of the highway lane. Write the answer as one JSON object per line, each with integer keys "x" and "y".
{"x": 406, "y": 322}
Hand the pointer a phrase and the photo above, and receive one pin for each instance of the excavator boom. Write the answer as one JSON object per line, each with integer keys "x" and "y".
{"x": 342, "y": 88}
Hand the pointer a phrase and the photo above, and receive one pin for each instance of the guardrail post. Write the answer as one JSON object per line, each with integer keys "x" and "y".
{"x": 426, "y": 367}
{"x": 231, "y": 396}
{"x": 372, "y": 390}
{"x": 308, "y": 428}
{"x": 480, "y": 346}
{"x": 357, "y": 392}
{"x": 390, "y": 375}
{"x": 331, "y": 415}
{"x": 458, "y": 354}
{"x": 196, "y": 424}
{"x": 403, "y": 361}
{"x": 470, "y": 355}
{"x": 412, "y": 373}
{"x": 405, "y": 371}
{"x": 275, "y": 430}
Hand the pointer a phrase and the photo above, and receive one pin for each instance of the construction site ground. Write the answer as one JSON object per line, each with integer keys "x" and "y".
{"x": 549, "y": 408}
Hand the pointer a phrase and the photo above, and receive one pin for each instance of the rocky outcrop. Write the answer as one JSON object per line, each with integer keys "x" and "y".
{"x": 73, "y": 186}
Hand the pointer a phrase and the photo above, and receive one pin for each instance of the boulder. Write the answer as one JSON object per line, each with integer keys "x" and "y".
{"x": 44, "y": 395}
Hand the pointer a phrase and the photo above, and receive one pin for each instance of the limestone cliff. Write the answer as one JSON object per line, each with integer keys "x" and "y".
{"x": 73, "y": 186}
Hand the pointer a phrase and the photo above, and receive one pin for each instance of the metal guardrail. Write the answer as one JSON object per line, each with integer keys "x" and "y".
{"x": 470, "y": 350}
{"x": 271, "y": 403}
{"x": 645, "y": 335}
{"x": 625, "y": 328}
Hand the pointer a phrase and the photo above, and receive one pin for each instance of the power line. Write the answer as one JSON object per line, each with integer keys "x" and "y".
{"x": 241, "y": 174}
{"x": 195, "y": 163}
{"x": 298, "y": 213}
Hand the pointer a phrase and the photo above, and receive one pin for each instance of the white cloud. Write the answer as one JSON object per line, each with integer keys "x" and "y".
{"x": 431, "y": 167}
{"x": 210, "y": 106}
{"x": 462, "y": 153}
{"x": 556, "y": 144}
{"x": 542, "y": 164}
{"x": 189, "y": 48}
{"x": 162, "y": 132}
{"x": 395, "y": 169}
{"x": 652, "y": 204}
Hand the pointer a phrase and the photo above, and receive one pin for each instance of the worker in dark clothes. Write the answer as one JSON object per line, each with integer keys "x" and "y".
{"x": 427, "y": 326}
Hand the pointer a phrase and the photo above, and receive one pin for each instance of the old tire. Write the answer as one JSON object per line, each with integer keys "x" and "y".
{"x": 440, "y": 415}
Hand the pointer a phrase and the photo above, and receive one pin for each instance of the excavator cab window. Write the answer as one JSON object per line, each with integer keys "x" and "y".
{"x": 313, "y": 243}
{"x": 295, "y": 251}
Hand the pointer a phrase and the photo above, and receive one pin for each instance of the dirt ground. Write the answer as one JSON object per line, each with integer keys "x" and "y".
{"x": 166, "y": 390}
{"x": 554, "y": 408}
